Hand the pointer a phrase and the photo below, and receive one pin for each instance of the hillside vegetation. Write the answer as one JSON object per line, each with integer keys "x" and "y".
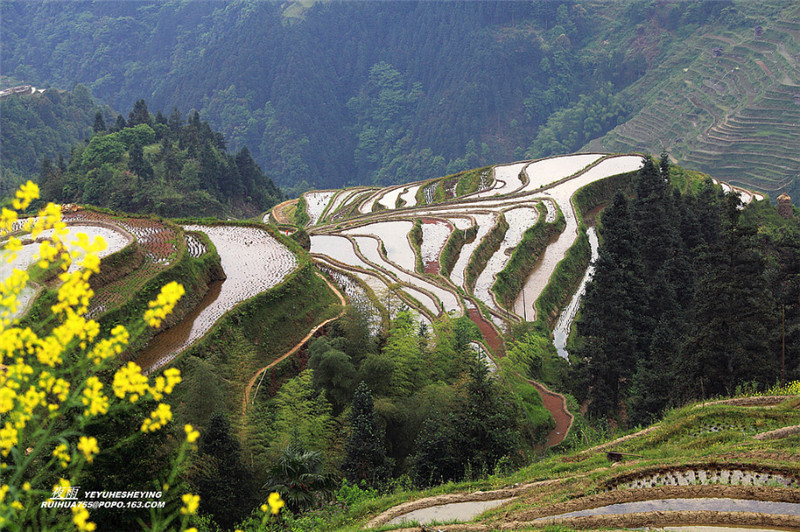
{"x": 408, "y": 91}
{"x": 42, "y": 126}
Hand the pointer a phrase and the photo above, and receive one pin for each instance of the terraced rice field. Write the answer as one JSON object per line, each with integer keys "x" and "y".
{"x": 434, "y": 236}
{"x": 519, "y": 220}
{"x": 115, "y": 240}
{"x": 316, "y": 203}
{"x": 548, "y": 171}
{"x": 372, "y": 242}
{"x": 158, "y": 242}
{"x": 194, "y": 246}
{"x": 394, "y": 235}
{"x": 253, "y": 261}
{"x": 357, "y": 295}
{"x": 506, "y": 181}
{"x": 733, "y": 114}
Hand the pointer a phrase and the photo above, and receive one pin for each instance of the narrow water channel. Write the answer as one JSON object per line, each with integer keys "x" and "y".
{"x": 456, "y": 511}
{"x": 564, "y": 325}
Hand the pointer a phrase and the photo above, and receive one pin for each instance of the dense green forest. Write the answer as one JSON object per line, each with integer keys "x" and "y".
{"x": 158, "y": 164}
{"x": 345, "y": 93}
{"x": 693, "y": 297}
{"x": 39, "y": 126}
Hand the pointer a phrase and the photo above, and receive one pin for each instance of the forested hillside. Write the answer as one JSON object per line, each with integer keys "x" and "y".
{"x": 39, "y": 126}
{"x": 158, "y": 164}
{"x": 693, "y": 297}
{"x": 360, "y": 93}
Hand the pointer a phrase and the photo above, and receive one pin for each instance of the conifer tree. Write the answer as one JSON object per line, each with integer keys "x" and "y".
{"x": 99, "y": 123}
{"x": 224, "y": 483}
{"x": 365, "y": 454}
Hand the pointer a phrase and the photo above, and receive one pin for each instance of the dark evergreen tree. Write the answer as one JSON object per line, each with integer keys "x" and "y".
{"x": 138, "y": 164}
{"x": 120, "y": 124}
{"x": 99, "y": 123}
{"x": 365, "y": 454}
{"x": 611, "y": 318}
{"x": 729, "y": 343}
{"x": 139, "y": 114}
{"x": 224, "y": 483}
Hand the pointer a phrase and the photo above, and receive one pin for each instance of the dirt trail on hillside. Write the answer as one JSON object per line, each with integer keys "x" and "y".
{"x": 557, "y": 405}
{"x": 554, "y": 402}
{"x": 293, "y": 350}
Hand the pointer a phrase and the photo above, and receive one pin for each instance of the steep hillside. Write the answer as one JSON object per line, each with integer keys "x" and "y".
{"x": 726, "y": 102}
{"x": 46, "y": 124}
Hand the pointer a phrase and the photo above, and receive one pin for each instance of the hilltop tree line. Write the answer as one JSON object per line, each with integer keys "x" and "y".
{"x": 694, "y": 296}
{"x": 159, "y": 164}
{"x": 354, "y": 93}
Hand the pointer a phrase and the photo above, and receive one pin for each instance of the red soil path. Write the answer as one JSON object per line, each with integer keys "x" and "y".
{"x": 493, "y": 339}
{"x": 555, "y": 403}
{"x": 297, "y": 346}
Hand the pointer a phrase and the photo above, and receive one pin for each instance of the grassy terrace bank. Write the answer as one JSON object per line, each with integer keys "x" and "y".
{"x": 487, "y": 247}
{"x": 570, "y": 270}
{"x": 535, "y": 240}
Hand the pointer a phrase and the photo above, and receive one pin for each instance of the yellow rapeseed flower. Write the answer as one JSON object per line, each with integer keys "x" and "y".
{"x": 129, "y": 379}
{"x": 191, "y": 434}
{"x": 89, "y": 448}
{"x": 190, "y": 502}
{"x": 163, "y": 304}
{"x": 275, "y": 502}
{"x": 81, "y": 519}
{"x": 61, "y": 452}
{"x": 93, "y": 397}
{"x": 158, "y": 418}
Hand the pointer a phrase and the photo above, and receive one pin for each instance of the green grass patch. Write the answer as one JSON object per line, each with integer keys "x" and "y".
{"x": 415, "y": 237}
{"x": 525, "y": 256}
{"x": 301, "y": 217}
{"x": 487, "y": 247}
{"x": 452, "y": 248}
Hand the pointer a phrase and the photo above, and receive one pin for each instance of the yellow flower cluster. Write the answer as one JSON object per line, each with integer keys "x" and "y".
{"x": 108, "y": 347}
{"x": 163, "y": 304}
{"x": 93, "y": 398}
{"x": 81, "y": 519}
{"x": 158, "y": 418}
{"x": 62, "y": 455}
{"x": 190, "y": 503}
{"x": 166, "y": 383}
{"x": 275, "y": 503}
{"x": 34, "y": 380}
{"x": 191, "y": 434}
{"x": 129, "y": 380}
{"x": 89, "y": 448}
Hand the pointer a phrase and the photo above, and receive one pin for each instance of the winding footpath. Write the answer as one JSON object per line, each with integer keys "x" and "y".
{"x": 293, "y": 350}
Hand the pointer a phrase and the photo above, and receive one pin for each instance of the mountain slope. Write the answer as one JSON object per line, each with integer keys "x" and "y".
{"x": 727, "y": 102}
